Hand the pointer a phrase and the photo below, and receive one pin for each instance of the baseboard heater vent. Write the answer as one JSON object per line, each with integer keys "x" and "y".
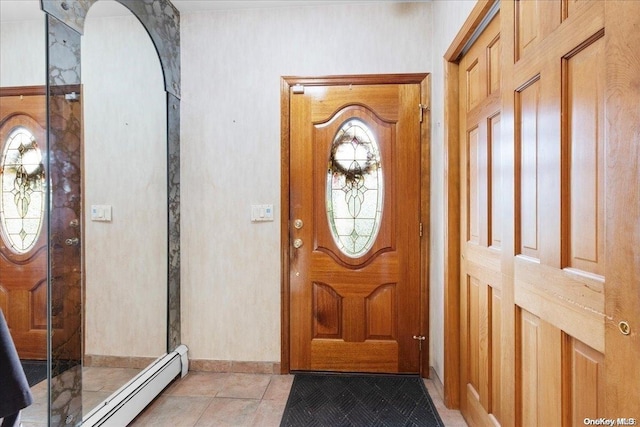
{"x": 125, "y": 404}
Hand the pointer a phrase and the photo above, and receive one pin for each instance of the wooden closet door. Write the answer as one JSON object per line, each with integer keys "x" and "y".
{"x": 559, "y": 221}
{"x": 480, "y": 229}
{"x": 549, "y": 289}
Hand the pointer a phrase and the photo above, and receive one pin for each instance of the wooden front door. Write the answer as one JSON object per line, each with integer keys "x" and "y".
{"x": 23, "y": 231}
{"x": 354, "y": 226}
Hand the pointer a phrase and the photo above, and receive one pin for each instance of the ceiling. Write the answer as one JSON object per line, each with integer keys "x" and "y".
{"x": 24, "y": 10}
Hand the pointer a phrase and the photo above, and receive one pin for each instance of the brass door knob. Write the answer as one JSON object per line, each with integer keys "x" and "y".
{"x": 297, "y": 243}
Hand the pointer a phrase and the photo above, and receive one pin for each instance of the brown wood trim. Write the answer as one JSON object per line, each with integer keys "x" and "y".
{"x": 476, "y": 16}
{"x": 359, "y": 79}
{"x": 105, "y": 361}
{"x": 234, "y": 366}
{"x": 451, "y": 239}
{"x": 284, "y": 224}
{"x": 65, "y": 89}
{"x": 425, "y": 220}
{"x": 285, "y": 84}
{"x": 38, "y": 90}
{"x": 23, "y": 90}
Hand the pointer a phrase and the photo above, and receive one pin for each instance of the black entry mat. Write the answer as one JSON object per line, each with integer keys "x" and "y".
{"x": 359, "y": 400}
{"x": 35, "y": 370}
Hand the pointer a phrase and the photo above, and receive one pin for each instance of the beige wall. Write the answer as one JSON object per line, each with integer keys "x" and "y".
{"x": 231, "y": 68}
{"x": 22, "y": 50}
{"x": 448, "y": 17}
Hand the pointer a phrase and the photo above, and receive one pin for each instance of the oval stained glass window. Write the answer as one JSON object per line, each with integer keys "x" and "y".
{"x": 354, "y": 196}
{"x": 22, "y": 198}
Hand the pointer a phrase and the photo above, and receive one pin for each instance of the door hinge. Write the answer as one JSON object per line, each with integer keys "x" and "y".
{"x": 419, "y": 338}
{"x": 422, "y": 108}
{"x": 420, "y": 229}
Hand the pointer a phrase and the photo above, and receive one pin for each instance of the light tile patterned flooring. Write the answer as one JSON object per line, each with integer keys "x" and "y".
{"x": 225, "y": 399}
{"x": 98, "y": 384}
{"x": 204, "y": 399}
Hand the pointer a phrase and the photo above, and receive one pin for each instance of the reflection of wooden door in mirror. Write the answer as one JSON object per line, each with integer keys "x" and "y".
{"x": 65, "y": 151}
{"x": 23, "y": 225}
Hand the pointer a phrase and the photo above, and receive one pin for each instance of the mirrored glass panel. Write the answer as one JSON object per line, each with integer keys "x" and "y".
{"x": 125, "y": 200}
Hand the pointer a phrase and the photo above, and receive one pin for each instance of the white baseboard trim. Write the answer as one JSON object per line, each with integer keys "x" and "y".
{"x": 126, "y": 403}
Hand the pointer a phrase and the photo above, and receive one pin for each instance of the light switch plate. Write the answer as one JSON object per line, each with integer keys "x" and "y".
{"x": 101, "y": 213}
{"x": 261, "y": 213}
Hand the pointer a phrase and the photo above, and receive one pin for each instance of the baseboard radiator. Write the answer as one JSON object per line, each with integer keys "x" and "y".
{"x": 126, "y": 403}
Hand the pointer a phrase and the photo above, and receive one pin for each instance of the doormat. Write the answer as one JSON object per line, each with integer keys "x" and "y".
{"x": 35, "y": 370}
{"x": 359, "y": 400}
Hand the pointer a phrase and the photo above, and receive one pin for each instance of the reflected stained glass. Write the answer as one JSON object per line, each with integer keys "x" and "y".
{"x": 354, "y": 195}
{"x": 22, "y": 198}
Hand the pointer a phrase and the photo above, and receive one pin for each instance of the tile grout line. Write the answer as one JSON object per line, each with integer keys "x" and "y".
{"x": 211, "y": 399}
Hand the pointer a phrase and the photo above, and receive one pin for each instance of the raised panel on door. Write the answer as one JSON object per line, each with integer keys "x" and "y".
{"x": 583, "y": 382}
{"x": 494, "y": 66}
{"x": 584, "y": 77}
{"x": 474, "y": 200}
{"x": 528, "y": 115}
{"x": 533, "y": 21}
{"x": 538, "y": 371}
{"x": 497, "y": 336}
{"x": 496, "y": 189}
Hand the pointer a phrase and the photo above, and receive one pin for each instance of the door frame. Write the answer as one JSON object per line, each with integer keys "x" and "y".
{"x": 476, "y": 22}
{"x": 286, "y": 82}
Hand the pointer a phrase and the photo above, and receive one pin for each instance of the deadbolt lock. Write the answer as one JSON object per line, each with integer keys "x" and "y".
{"x": 298, "y": 224}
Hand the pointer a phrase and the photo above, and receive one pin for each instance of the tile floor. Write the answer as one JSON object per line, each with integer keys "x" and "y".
{"x": 98, "y": 384}
{"x": 203, "y": 399}
{"x": 224, "y": 399}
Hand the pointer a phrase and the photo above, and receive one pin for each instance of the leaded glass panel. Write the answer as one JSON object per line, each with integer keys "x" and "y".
{"x": 22, "y": 198}
{"x": 354, "y": 195}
